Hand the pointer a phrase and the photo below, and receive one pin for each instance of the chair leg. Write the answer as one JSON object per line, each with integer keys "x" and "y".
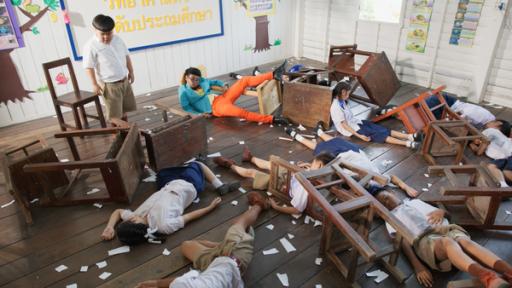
{"x": 84, "y": 116}
{"x": 60, "y": 117}
{"x": 78, "y": 123}
{"x": 100, "y": 113}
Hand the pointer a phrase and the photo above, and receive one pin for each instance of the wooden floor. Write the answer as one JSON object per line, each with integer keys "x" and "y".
{"x": 71, "y": 235}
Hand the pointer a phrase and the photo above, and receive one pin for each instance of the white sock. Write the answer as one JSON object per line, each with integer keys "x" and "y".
{"x": 298, "y": 137}
{"x": 239, "y": 77}
{"x": 257, "y": 72}
{"x": 408, "y": 144}
{"x": 503, "y": 183}
{"x": 410, "y": 137}
{"x": 216, "y": 182}
{"x": 319, "y": 132}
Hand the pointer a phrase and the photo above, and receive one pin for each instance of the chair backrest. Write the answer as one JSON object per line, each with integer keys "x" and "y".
{"x": 55, "y": 64}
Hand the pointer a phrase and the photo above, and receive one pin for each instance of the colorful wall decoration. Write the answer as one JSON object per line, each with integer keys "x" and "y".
{"x": 145, "y": 24}
{"x": 10, "y": 34}
{"x": 466, "y": 22}
{"x": 419, "y": 23}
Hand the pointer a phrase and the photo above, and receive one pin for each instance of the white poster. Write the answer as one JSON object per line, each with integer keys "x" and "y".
{"x": 387, "y": 11}
{"x": 145, "y": 24}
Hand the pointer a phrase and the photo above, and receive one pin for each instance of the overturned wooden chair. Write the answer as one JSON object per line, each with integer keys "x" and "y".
{"x": 449, "y": 139}
{"x": 352, "y": 219}
{"x": 121, "y": 169}
{"x": 474, "y": 197}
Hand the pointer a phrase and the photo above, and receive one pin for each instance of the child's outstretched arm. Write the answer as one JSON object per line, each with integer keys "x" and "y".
{"x": 109, "y": 232}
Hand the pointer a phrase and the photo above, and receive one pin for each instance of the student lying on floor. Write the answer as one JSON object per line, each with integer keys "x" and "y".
{"x": 195, "y": 95}
{"x": 440, "y": 244}
{"x": 162, "y": 212}
{"x": 348, "y": 125}
{"x": 477, "y": 115}
{"x": 221, "y": 264}
{"x": 499, "y": 149}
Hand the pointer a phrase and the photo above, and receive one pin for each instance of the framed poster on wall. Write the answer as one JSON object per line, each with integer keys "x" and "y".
{"x": 10, "y": 34}
{"x": 145, "y": 24}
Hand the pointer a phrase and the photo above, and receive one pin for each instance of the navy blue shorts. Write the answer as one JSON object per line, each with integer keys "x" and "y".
{"x": 374, "y": 189}
{"x": 433, "y": 101}
{"x": 335, "y": 146}
{"x": 503, "y": 164}
{"x": 191, "y": 173}
{"x": 376, "y": 132}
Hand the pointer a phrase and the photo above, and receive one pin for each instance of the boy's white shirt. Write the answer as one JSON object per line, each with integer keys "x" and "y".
{"x": 500, "y": 146}
{"x": 339, "y": 115}
{"x": 108, "y": 60}
{"x": 475, "y": 114}
{"x": 221, "y": 273}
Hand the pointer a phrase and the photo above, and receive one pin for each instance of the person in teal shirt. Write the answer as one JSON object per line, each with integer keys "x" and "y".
{"x": 195, "y": 100}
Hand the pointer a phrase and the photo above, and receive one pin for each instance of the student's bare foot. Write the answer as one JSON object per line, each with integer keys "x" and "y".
{"x": 257, "y": 198}
{"x": 223, "y": 162}
{"x": 215, "y": 202}
{"x": 246, "y": 155}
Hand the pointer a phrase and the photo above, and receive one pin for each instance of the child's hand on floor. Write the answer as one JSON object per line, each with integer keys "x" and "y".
{"x": 215, "y": 202}
{"x": 364, "y": 138}
{"x": 108, "y": 233}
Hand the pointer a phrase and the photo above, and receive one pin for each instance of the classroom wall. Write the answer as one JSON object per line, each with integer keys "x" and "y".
{"x": 156, "y": 68}
{"x": 482, "y": 71}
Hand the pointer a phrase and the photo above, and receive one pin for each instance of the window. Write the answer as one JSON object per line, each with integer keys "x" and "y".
{"x": 387, "y": 11}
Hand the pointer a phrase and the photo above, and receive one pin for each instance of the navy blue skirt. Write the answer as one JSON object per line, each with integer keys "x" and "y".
{"x": 376, "y": 132}
{"x": 191, "y": 173}
{"x": 433, "y": 101}
{"x": 335, "y": 146}
{"x": 503, "y": 164}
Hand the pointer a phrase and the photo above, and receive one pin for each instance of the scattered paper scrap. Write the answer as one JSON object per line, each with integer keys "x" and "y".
{"x": 381, "y": 275}
{"x": 94, "y": 190}
{"x": 270, "y": 251}
{"x": 271, "y": 126}
{"x": 260, "y": 123}
{"x": 290, "y": 151}
{"x": 84, "y": 268}
{"x": 508, "y": 212}
{"x": 270, "y": 227}
{"x": 269, "y": 193}
{"x": 61, "y": 268}
{"x": 34, "y": 200}
{"x": 307, "y": 219}
{"x": 150, "y": 107}
{"x": 241, "y": 142}
{"x": 147, "y": 119}
{"x": 318, "y": 261}
{"x": 386, "y": 162}
{"x": 460, "y": 163}
{"x": 152, "y": 241}
{"x": 429, "y": 185}
{"x": 101, "y": 264}
{"x": 97, "y": 205}
{"x": 287, "y": 245}
{"x": 191, "y": 160}
{"x": 120, "y": 250}
{"x": 317, "y": 223}
{"x": 105, "y": 275}
{"x": 424, "y": 189}
{"x": 296, "y": 216}
{"x": 242, "y": 120}
{"x": 242, "y": 190}
{"x": 72, "y": 285}
{"x": 284, "y": 279}
{"x": 318, "y": 285}
{"x": 216, "y": 154}
{"x": 301, "y": 128}
{"x": 64, "y": 160}
{"x": 218, "y": 175}
{"x": 426, "y": 175}
{"x": 286, "y": 139}
{"x": 293, "y": 222}
{"x": 166, "y": 252}
{"x": 148, "y": 94}
{"x": 210, "y": 138}
{"x": 7, "y": 204}
{"x": 234, "y": 202}
{"x": 196, "y": 200}
{"x": 291, "y": 236}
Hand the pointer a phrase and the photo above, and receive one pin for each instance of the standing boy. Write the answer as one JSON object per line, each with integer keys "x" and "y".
{"x": 106, "y": 56}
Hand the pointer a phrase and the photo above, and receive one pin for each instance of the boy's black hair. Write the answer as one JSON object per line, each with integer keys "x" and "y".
{"x": 340, "y": 87}
{"x": 325, "y": 157}
{"x": 103, "y": 23}
{"x": 131, "y": 233}
{"x": 190, "y": 71}
{"x": 505, "y": 127}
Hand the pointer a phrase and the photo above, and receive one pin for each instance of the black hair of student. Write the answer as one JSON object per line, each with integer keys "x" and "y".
{"x": 325, "y": 157}
{"x": 131, "y": 233}
{"x": 340, "y": 87}
{"x": 190, "y": 71}
{"x": 103, "y": 23}
{"x": 505, "y": 127}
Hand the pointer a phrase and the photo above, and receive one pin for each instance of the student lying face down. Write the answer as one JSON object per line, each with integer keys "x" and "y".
{"x": 219, "y": 264}
{"x": 162, "y": 212}
{"x": 440, "y": 244}
{"x": 348, "y": 125}
{"x": 477, "y": 115}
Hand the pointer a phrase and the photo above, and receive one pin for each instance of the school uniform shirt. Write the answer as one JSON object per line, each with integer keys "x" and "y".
{"x": 475, "y": 114}
{"x": 500, "y": 146}
{"x": 347, "y": 151}
{"x": 298, "y": 195}
{"x": 164, "y": 208}
{"x": 414, "y": 215}
{"x": 340, "y": 111}
{"x": 109, "y": 60}
{"x": 198, "y": 101}
{"x": 221, "y": 273}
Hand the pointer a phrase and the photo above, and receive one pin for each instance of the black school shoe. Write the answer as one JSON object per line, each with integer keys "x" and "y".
{"x": 280, "y": 120}
{"x": 235, "y": 76}
{"x": 319, "y": 126}
{"x": 279, "y": 71}
{"x": 256, "y": 71}
{"x": 226, "y": 188}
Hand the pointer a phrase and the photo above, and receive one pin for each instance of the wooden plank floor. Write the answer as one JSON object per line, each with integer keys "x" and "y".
{"x": 71, "y": 235}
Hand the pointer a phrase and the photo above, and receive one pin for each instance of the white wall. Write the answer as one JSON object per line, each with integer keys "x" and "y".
{"x": 465, "y": 70}
{"x": 155, "y": 69}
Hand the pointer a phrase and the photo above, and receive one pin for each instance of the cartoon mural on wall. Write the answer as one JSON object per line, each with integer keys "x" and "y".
{"x": 11, "y": 88}
{"x": 260, "y": 10}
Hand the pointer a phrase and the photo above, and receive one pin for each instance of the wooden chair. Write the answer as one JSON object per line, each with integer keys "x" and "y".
{"x": 26, "y": 187}
{"x": 352, "y": 219}
{"x": 75, "y": 100}
{"x": 449, "y": 138}
{"x": 121, "y": 169}
{"x": 474, "y": 197}
{"x": 376, "y": 75}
